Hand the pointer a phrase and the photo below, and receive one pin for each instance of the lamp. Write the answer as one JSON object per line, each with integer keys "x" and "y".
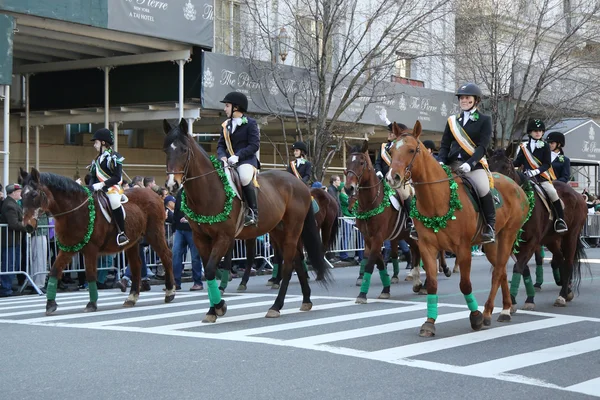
{"x": 283, "y": 41}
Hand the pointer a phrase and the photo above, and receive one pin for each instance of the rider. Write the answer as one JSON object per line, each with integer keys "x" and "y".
{"x": 536, "y": 159}
{"x": 238, "y": 146}
{"x": 106, "y": 174}
{"x": 561, "y": 164}
{"x": 474, "y": 130}
{"x": 300, "y": 167}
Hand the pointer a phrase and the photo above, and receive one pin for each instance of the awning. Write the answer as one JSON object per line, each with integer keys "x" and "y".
{"x": 582, "y": 137}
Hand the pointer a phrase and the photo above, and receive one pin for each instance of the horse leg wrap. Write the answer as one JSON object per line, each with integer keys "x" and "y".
{"x": 539, "y": 274}
{"x": 51, "y": 288}
{"x": 305, "y": 265}
{"x": 363, "y": 264}
{"x": 93, "y": 289}
{"x": 555, "y": 273}
{"x": 529, "y": 286}
{"x": 218, "y": 273}
{"x": 214, "y": 295}
{"x": 514, "y": 284}
{"x": 275, "y": 270}
{"x": 432, "y": 306}
{"x": 224, "y": 278}
{"x": 385, "y": 278}
{"x": 471, "y": 302}
{"x": 364, "y": 288}
{"x": 396, "y": 266}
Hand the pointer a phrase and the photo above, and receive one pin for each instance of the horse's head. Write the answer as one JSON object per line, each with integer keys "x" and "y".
{"x": 34, "y": 197}
{"x": 177, "y": 147}
{"x": 359, "y": 168}
{"x": 406, "y": 153}
{"x": 501, "y": 162}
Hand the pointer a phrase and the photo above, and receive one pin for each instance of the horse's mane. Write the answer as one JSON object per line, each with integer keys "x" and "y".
{"x": 59, "y": 182}
{"x": 499, "y": 153}
{"x": 357, "y": 148}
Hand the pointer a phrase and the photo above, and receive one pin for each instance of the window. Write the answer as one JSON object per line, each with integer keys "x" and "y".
{"x": 309, "y": 44}
{"x": 402, "y": 66}
{"x": 226, "y": 12}
{"x": 74, "y": 133}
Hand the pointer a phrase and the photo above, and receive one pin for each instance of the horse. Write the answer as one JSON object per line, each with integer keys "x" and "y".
{"x": 376, "y": 218}
{"x": 287, "y": 216}
{"x": 80, "y": 227}
{"x": 567, "y": 249}
{"x": 437, "y": 190}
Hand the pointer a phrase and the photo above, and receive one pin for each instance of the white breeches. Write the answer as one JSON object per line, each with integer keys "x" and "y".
{"x": 246, "y": 172}
{"x": 115, "y": 200}
{"x": 480, "y": 181}
{"x": 549, "y": 188}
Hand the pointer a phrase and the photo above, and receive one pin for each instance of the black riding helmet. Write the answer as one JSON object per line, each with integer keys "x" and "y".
{"x": 469, "y": 89}
{"x": 237, "y": 99}
{"x": 300, "y": 146}
{"x": 429, "y": 144}
{"x": 536, "y": 125}
{"x": 104, "y": 135}
{"x": 556, "y": 137}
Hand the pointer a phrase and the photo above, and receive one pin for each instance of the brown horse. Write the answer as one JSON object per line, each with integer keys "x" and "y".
{"x": 567, "y": 249}
{"x": 376, "y": 218}
{"x": 446, "y": 219}
{"x": 81, "y": 227}
{"x": 214, "y": 212}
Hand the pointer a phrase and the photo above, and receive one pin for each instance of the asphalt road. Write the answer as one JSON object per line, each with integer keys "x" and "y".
{"x": 339, "y": 350}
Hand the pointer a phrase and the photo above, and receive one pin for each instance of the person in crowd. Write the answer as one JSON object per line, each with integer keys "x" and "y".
{"x": 137, "y": 182}
{"x": 11, "y": 214}
{"x": 300, "y": 167}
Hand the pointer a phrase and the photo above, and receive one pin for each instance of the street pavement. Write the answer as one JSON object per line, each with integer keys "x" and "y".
{"x": 339, "y": 350}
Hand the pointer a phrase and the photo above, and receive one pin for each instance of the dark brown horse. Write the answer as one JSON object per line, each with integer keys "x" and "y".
{"x": 567, "y": 249}
{"x": 81, "y": 227}
{"x": 214, "y": 212}
{"x": 376, "y": 218}
{"x": 446, "y": 219}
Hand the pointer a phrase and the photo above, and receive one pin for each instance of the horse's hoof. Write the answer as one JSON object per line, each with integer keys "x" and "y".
{"x": 270, "y": 282}
{"x": 423, "y": 291}
{"x": 273, "y": 314}
{"x": 447, "y": 272}
{"x": 361, "y": 300}
{"x": 51, "y": 306}
{"x": 503, "y": 317}
{"x": 221, "y": 308}
{"x": 456, "y": 270}
{"x": 560, "y": 302}
{"x": 476, "y": 319}
{"x": 242, "y": 288}
{"x": 129, "y": 303}
{"x": 408, "y": 278}
{"x": 91, "y": 307}
{"x": 538, "y": 287}
{"x": 427, "y": 329}
{"x": 513, "y": 309}
{"x": 359, "y": 282}
{"x": 487, "y": 321}
{"x": 395, "y": 279}
{"x": 384, "y": 296}
{"x": 209, "y": 318}
{"x": 306, "y": 307}
{"x": 570, "y": 296}
{"x": 529, "y": 306}
{"x": 275, "y": 286}
{"x": 417, "y": 287}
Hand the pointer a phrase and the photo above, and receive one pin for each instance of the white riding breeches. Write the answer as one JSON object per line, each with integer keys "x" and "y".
{"x": 115, "y": 200}
{"x": 549, "y": 188}
{"x": 246, "y": 172}
{"x": 480, "y": 181}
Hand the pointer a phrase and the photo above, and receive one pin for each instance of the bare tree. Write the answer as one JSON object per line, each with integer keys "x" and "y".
{"x": 534, "y": 58}
{"x": 344, "y": 51}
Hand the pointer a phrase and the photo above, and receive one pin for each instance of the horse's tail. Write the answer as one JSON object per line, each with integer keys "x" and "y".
{"x": 314, "y": 248}
{"x": 335, "y": 228}
{"x": 580, "y": 257}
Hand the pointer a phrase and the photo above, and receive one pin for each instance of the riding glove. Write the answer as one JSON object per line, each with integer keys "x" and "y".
{"x": 465, "y": 168}
{"x": 98, "y": 186}
{"x": 532, "y": 172}
{"x": 379, "y": 174}
{"x": 233, "y": 160}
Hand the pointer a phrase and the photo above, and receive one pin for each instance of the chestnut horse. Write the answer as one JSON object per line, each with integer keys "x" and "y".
{"x": 214, "y": 211}
{"x": 567, "y": 249}
{"x": 81, "y": 227}
{"x": 376, "y": 219}
{"x": 443, "y": 204}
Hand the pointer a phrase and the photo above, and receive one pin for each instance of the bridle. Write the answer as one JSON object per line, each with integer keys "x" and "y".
{"x": 186, "y": 167}
{"x": 408, "y": 170}
{"x": 365, "y": 168}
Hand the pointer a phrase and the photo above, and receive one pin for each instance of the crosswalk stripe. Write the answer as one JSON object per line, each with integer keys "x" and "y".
{"x": 591, "y": 387}
{"x": 416, "y": 349}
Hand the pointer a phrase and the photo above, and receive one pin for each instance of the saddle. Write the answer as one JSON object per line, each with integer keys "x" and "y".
{"x": 236, "y": 184}
{"x": 476, "y": 201}
{"x": 105, "y": 207}
{"x": 543, "y": 195}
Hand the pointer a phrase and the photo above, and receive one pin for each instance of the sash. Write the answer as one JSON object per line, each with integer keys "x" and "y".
{"x": 227, "y": 138}
{"x": 295, "y": 170}
{"x": 103, "y": 176}
{"x": 534, "y": 163}
{"x": 385, "y": 156}
{"x": 467, "y": 145}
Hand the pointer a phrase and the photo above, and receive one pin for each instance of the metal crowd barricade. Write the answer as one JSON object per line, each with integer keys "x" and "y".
{"x": 349, "y": 238}
{"x": 14, "y": 260}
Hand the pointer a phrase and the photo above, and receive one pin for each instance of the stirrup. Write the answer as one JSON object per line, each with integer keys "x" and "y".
{"x": 562, "y": 229}
{"x": 413, "y": 233}
{"x": 491, "y": 238}
{"x": 121, "y": 242}
{"x": 250, "y": 218}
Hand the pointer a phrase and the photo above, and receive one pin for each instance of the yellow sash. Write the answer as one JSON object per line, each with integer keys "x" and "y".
{"x": 295, "y": 170}
{"x": 467, "y": 145}
{"x": 227, "y": 138}
{"x": 385, "y": 156}
{"x": 534, "y": 163}
{"x": 102, "y": 176}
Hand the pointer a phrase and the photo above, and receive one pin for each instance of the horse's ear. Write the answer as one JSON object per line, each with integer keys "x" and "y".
{"x": 183, "y": 126}
{"x": 365, "y": 146}
{"x": 22, "y": 175}
{"x": 348, "y": 147}
{"x": 396, "y": 129}
{"x": 167, "y": 126}
{"x": 511, "y": 149}
{"x": 417, "y": 129}
{"x": 35, "y": 175}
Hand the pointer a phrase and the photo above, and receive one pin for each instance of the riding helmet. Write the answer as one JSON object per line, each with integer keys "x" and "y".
{"x": 237, "y": 99}
{"x": 429, "y": 144}
{"x": 536, "y": 125}
{"x": 556, "y": 137}
{"x": 469, "y": 89}
{"x": 300, "y": 146}
{"x": 104, "y": 135}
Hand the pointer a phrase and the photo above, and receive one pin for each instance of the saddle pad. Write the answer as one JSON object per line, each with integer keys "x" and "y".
{"x": 315, "y": 206}
{"x": 108, "y": 213}
{"x": 231, "y": 183}
{"x": 542, "y": 195}
{"x": 394, "y": 202}
{"x": 474, "y": 196}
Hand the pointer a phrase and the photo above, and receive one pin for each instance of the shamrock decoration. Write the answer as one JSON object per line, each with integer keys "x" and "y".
{"x": 540, "y": 144}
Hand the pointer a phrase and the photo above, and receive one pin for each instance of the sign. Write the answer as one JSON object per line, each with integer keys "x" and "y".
{"x": 6, "y": 47}
{"x": 283, "y": 89}
{"x": 187, "y": 21}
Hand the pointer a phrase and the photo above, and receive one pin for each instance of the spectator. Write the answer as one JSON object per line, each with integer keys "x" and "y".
{"x": 126, "y": 185}
{"x": 347, "y": 224}
{"x": 149, "y": 182}
{"x": 334, "y": 187}
{"x": 318, "y": 185}
{"x": 12, "y": 215}
{"x": 169, "y": 207}
{"x": 137, "y": 182}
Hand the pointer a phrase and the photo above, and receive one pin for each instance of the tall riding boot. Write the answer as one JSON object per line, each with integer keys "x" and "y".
{"x": 410, "y": 226}
{"x": 489, "y": 213}
{"x": 122, "y": 238}
{"x": 250, "y": 195}
{"x": 559, "y": 225}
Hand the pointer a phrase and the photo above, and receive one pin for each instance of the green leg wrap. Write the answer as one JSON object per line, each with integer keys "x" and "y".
{"x": 385, "y": 278}
{"x": 529, "y": 286}
{"x": 396, "y": 266}
{"x": 366, "y": 282}
{"x": 514, "y": 284}
{"x": 214, "y": 295}
{"x": 51, "y": 288}
{"x": 555, "y": 273}
{"x": 275, "y": 270}
{"x": 93, "y": 289}
{"x": 218, "y": 273}
{"x": 539, "y": 274}
{"x": 432, "y": 308}
{"x": 421, "y": 265}
{"x": 224, "y": 278}
{"x": 471, "y": 302}
{"x": 543, "y": 253}
{"x": 305, "y": 265}
{"x": 363, "y": 264}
